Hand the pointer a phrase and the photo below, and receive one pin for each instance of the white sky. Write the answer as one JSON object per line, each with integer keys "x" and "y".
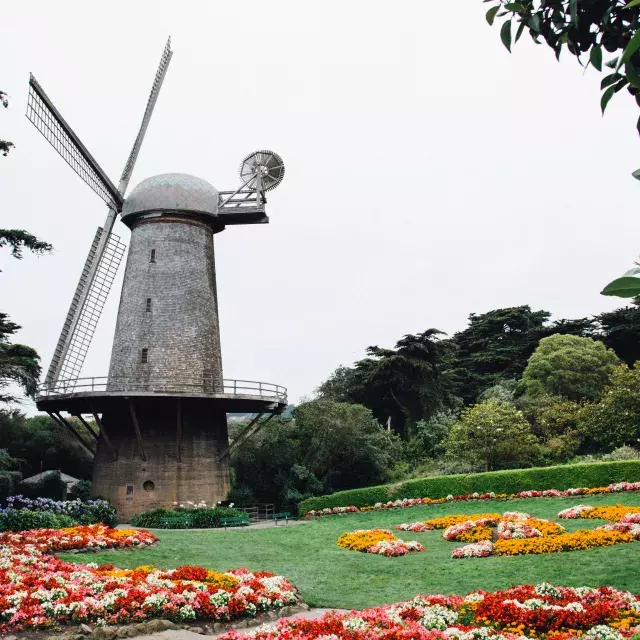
{"x": 430, "y": 174}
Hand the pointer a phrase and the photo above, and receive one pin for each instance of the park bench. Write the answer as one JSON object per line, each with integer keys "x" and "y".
{"x": 182, "y": 521}
{"x": 237, "y": 521}
{"x": 285, "y": 515}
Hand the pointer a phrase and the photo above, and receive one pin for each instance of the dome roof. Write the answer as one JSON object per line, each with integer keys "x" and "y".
{"x": 177, "y": 191}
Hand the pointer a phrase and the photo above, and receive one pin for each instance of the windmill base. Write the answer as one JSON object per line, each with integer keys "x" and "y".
{"x": 161, "y": 452}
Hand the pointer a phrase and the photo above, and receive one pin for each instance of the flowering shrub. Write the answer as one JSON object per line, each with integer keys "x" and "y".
{"x": 594, "y": 614}
{"x": 582, "y": 539}
{"x": 471, "y": 530}
{"x": 196, "y": 516}
{"x": 415, "y": 527}
{"x": 448, "y": 521}
{"x": 88, "y": 512}
{"x": 95, "y": 536}
{"x": 21, "y": 519}
{"x": 379, "y": 541}
{"x": 530, "y": 528}
{"x": 477, "y": 550}
{"x": 614, "y": 513}
{"x": 617, "y": 487}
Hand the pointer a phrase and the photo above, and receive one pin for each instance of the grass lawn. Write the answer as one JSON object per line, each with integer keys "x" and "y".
{"x": 329, "y": 576}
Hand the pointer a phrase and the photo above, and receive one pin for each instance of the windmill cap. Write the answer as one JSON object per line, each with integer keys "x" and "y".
{"x": 172, "y": 192}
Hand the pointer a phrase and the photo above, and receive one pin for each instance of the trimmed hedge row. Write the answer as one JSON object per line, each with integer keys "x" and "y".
{"x": 597, "y": 474}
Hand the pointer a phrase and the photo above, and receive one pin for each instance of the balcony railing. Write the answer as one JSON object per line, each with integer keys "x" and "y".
{"x": 158, "y": 384}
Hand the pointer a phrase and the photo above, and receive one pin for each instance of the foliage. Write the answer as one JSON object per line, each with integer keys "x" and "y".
{"x": 404, "y": 384}
{"x": 87, "y": 512}
{"x": 492, "y": 432}
{"x": 241, "y": 495}
{"x": 561, "y": 477}
{"x": 618, "y": 454}
{"x": 80, "y": 491}
{"x": 19, "y": 239}
{"x": 5, "y": 145}
{"x": 620, "y": 331}
{"x": 571, "y": 366}
{"x": 198, "y": 518}
{"x": 23, "y": 519}
{"x": 615, "y": 420}
{"x": 428, "y": 436}
{"x": 587, "y": 29}
{"x": 504, "y": 392}
{"x": 329, "y": 446}
{"x": 19, "y": 364}
{"x": 40, "y": 444}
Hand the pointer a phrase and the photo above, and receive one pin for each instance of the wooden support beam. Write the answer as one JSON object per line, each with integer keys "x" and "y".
{"x": 179, "y": 430}
{"x": 103, "y": 432}
{"x": 87, "y": 427}
{"x": 56, "y": 417}
{"x": 136, "y": 426}
{"x": 251, "y": 429}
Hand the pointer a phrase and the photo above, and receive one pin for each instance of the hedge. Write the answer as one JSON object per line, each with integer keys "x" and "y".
{"x": 597, "y": 474}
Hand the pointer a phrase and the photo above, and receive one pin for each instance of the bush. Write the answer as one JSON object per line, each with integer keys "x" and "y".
{"x": 80, "y": 491}
{"x": 88, "y": 512}
{"x": 200, "y": 518}
{"x": 50, "y": 486}
{"x": 599, "y": 474}
{"x": 23, "y": 519}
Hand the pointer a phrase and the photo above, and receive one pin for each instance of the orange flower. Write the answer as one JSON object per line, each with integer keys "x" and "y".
{"x": 362, "y": 540}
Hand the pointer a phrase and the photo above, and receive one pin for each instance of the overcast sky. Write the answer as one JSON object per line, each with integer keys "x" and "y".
{"x": 430, "y": 174}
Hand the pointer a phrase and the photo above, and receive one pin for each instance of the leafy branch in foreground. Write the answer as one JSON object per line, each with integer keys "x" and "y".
{"x": 587, "y": 29}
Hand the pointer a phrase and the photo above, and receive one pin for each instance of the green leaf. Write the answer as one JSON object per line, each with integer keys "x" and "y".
{"x": 638, "y": 126}
{"x": 520, "y": 30}
{"x": 611, "y": 63}
{"x": 573, "y": 9}
{"x": 606, "y": 96}
{"x": 633, "y": 3}
{"x": 491, "y": 14}
{"x": 636, "y": 174}
{"x": 534, "y": 23}
{"x": 595, "y": 56}
{"x": 514, "y": 6}
{"x": 505, "y": 35}
{"x": 609, "y": 80}
{"x": 625, "y": 287}
{"x": 631, "y": 48}
{"x": 632, "y": 75}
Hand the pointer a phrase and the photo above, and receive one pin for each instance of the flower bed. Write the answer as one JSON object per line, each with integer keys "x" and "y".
{"x": 614, "y": 513}
{"x": 378, "y": 541}
{"x": 39, "y": 590}
{"x": 617, "y": 487}
{"x": 471, "y": 530}
{"x": 543, "y": 610}
{"x": 95, "y": 536}
{"x": 529, "y": 528}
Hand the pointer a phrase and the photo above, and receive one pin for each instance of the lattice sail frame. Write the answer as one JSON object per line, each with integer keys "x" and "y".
{"x": 48, "y": 121}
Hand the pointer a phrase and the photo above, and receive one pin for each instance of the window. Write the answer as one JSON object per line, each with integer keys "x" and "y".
{"x": 148, "y": 485}
{"x": 145, "y": 356}
{"x": 153, "y": 255}
{"x": 148, "y": 305}
{"x": 129, "y": 489}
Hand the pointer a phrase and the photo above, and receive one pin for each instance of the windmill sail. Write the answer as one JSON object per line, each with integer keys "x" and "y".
{"x": 106, "y": 251}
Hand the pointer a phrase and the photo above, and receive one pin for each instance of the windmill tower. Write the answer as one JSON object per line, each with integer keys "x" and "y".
{"x": 160, "y": 414}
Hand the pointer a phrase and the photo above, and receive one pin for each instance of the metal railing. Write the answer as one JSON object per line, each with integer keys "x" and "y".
{"x": 158, "y": 384}
{"x": 258, "y": 512}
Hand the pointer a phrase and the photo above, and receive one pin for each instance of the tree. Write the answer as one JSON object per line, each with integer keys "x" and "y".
{"x": 5, "y": 145}
{"x": 615, "y": 420}
{"x": 404, "y": 383}
{"x": 329, "y": 446}
{"x": 19, "y": 364}
{"x": 429, "y": 436}
{"x": 587, "y": 29}
{"x": 19, "y": 239}
{"x": 495, "y": 346}
{"x": 494, "y": 433}
{"x": 570, "y": 366}
{"x": 620, "y": 331}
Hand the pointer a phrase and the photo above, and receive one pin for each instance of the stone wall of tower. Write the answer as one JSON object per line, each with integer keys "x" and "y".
{"x": 169, "y": 307}
{"x": 181, "y": 439}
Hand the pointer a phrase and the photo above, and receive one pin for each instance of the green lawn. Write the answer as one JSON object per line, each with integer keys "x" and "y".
{"x": 329, "y": 576}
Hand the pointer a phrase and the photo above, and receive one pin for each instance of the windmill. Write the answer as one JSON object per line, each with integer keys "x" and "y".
{"x": 160, "y": 413}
